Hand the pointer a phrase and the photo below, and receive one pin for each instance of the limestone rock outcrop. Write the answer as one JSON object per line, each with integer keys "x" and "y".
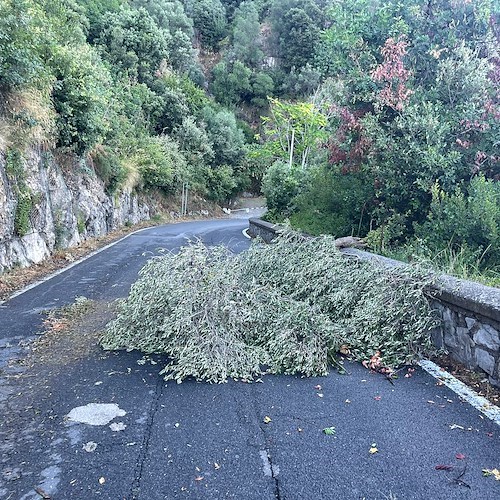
{"x": 68, "y": 204}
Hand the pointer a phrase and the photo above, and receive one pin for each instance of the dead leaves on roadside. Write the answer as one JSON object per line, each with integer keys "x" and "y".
{"x": 443, "y": 467}
{"x": 375, "y": 364}
{"x": 55, "y": 324}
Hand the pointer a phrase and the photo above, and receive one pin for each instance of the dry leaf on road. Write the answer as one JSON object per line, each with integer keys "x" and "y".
{"x": 492, "y": 472}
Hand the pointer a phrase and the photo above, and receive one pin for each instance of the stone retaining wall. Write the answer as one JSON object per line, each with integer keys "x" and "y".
{"x": 470, "y": 312}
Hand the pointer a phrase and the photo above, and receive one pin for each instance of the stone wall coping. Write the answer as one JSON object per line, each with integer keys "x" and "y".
{"x": 475, "y": 297}
{"x": 269, "y": 226}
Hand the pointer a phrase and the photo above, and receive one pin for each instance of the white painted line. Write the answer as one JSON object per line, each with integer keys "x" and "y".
{"x": 73, "y": 264}
{"x": 482, "y": 404}
{"x": 245, "y": 233}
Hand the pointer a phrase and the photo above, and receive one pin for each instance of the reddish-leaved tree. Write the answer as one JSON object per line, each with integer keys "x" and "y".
{"x": 393, "y": 74}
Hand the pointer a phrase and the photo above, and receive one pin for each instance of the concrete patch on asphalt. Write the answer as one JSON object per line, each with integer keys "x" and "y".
{"x": 269, "y": 469}
{"x": 482, "y": 404}
{"x": 95, "y": 413}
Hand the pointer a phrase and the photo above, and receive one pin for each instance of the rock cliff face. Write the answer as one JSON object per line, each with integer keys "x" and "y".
{"x": 65, "y": 203}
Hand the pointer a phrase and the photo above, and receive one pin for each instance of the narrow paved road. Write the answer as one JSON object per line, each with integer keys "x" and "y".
{"x": 199, "y": 441}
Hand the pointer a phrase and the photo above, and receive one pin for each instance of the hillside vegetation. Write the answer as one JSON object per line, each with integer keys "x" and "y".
{"x": 376, "y": 118}
{"x": 120, "y": 85}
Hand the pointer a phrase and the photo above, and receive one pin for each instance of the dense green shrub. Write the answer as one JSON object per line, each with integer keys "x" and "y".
{"x": 171, "y": 17}
{"x": 24, "y": 207}
{"x": 96, "y": 11}
{"x": 21, "y": 44}
{"x": 280, "y": 186}
{"x": 134, "y": 44}
{"x": 227, "y": 139}
{"x": 220, "y": 183}
{"x": 282, "y": 308}
{"x": 160, "y": 162}
{"x": 470, "y": 220}
{"x": 109, "y": 168}
{"x": 333, "y": 203}
{"x": 81, "y": 93}
{"x": 14, "y": 169}
{"x": 231, "y": 82}
{"x": 209, "y": 19}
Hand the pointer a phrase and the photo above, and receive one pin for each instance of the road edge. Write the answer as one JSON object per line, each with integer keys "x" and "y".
{"x": 462, "y": 390}
{"x": 69, "y": 266}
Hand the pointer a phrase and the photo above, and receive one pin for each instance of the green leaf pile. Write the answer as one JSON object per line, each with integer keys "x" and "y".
{"x": 280, "y": 308}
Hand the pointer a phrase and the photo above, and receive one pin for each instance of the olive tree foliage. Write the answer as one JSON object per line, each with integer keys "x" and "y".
{"x": 95, "y": 11}
{"x": 80, "y": 94}
{"x": 197, "y": 149}
{"x": 231, "y": 82}
{"x": 160, "y": 162}
{"x": 296, "y": 29}
{"x": 228, "y": 141}
{"x": 30, "y": 31}
{"x": 230, "y": 6}
{"x": 283, "y": 308}
{"x": 20, "y": 58}
{"x": 171, "y": 17}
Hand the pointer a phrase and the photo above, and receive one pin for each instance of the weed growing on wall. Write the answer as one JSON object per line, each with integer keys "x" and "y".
{"x": 15, "y": 171}
{"x": 282, "y": 308}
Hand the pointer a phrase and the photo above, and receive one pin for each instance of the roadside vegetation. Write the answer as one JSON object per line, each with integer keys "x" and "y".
{"x": 289, "y": 307}
{"x": 373, "y": 118}
{"x": 398, "y": 141}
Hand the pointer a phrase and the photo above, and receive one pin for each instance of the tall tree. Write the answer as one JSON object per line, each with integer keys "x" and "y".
{"x": 209, "y": 18}
{"x": 171, "y": 17}
{"x": 246, "y": 34}
{"x": 298, "y": 39}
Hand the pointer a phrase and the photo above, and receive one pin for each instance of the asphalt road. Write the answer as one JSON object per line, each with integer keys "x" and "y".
{"x": 200, "y": 441}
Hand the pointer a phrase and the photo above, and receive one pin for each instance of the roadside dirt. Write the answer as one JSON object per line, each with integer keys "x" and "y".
{"x": 475, "y": 380}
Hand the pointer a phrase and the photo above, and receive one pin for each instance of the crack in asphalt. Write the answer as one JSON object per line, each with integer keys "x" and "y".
{"x": 139, "y": 467}
{"x": 273, "y": 468}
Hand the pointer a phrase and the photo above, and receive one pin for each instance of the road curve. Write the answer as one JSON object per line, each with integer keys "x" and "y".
{"x": 200, "y": 441}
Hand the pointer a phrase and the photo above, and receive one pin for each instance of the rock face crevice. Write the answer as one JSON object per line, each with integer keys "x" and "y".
{"x": 68, "y": 204}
